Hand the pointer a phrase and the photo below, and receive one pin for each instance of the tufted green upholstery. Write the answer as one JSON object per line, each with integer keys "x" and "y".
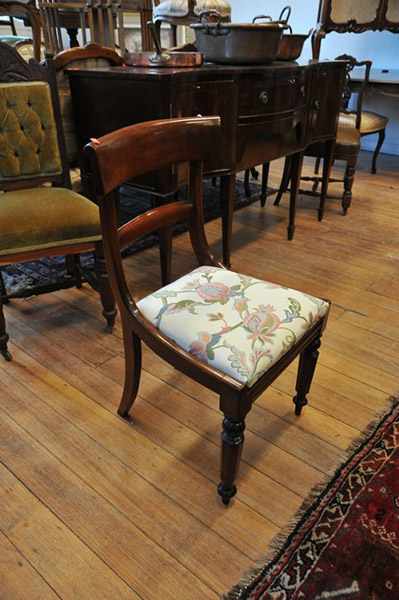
{"x": 28, "y": 134}
{"x": 46, "y": 217}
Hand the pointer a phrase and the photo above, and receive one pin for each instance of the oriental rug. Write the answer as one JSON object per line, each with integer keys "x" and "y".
{"x": 345, "y": 542}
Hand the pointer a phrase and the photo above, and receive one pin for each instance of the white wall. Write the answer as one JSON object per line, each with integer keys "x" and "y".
{"x": 380, "y": 47}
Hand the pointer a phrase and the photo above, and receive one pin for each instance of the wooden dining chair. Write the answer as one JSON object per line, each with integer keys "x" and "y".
{"x": 232, "y": 333}
{"x": 346, "y": 147}
{"x": 86, "y": 57}
{"x": 31, "y": 46}
{"x": 357, "y": 16}
{"x": 40, "y": 216}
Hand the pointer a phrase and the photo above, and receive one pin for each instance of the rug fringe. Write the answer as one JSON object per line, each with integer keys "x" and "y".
{"x": 277, "y": 544}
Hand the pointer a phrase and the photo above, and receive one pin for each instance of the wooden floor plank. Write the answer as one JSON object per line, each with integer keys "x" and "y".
{"x": 17, "y": 576}
{"x": 92, "y": 507}
{"x": 66, "y": 563}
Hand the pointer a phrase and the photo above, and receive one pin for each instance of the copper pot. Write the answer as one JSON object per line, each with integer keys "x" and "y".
{"x": 291, "y": 45}
{"x": 237, "y": 43}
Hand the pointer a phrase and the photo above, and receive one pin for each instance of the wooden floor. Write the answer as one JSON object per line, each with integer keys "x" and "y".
{"x": 93, "y": 509}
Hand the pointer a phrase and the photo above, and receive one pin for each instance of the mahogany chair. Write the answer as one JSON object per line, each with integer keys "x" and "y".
{"x": 346, "y": 147}
{"x": 40, "y": 216}
{"x": 232, "y": 333}
{"x": 358, "y": 16}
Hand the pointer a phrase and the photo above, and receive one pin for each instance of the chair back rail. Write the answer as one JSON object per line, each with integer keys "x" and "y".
{"x": 174, "y": 141}
{"x": 356, "y": 16}
{"x": 352, "y": 63}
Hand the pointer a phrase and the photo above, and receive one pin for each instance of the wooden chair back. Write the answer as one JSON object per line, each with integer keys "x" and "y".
{"x": 355, "y": 16}
{"x": 27, "y": 11}
{"x": 90, "y": 56}
{"x": 13, "y": 69}
{"x": 352, "y": 63}
{"x": 120, "y": 156}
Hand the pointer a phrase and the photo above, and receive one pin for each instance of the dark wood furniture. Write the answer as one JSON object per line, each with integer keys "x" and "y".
{"x": 25, "y": 10}
{"x": 267, "y": 112}
{"x": 92, "y": 55}
{"x": 129, "y": 153}
{"x": 25, "y": 203}
{"x": 101, "y": 18}
{"x": 346, "y": 147}
{"x": 358, "y": 16}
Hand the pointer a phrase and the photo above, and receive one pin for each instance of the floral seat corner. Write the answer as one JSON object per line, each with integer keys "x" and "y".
{"x": 237, "y": 324}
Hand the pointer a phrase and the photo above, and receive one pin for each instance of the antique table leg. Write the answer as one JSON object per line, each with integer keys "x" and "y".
{"x": 296, "y": 172}
{"x": 227, "y": 198}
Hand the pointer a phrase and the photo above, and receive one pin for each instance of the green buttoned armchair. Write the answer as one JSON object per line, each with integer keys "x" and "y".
{"x": 40, "y": 216}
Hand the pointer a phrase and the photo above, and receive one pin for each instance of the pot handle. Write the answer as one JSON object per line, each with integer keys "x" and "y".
{"x": 218, "y": 18}
{"x": 282, "y": 18}
{"x": 261, "y": 17}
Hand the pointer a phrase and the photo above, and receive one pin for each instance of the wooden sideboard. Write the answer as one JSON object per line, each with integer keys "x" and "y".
{"x": 267, "y": 112}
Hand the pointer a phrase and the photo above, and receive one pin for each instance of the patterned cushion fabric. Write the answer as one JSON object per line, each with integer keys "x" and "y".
{"x": 28, "y": 134}
{"x": 237, "y": 324}
{"x": 46, "y": 217}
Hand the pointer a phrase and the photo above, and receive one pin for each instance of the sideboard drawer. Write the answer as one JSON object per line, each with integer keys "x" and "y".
{"x": 272, "y": 94}
{"x": 211, "y": 98}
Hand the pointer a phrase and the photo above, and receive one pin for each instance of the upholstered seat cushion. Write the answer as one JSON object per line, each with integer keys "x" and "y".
{"x": 45, "y": 217}
{"x": 370, "y": 123}
{"x": 348, "y": 136}
{"x": 239, "y": 325}
{"x": 179, "y": 8}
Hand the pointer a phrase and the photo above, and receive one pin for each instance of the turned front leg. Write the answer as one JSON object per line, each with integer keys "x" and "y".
{"x": 307, "y": 366}
{"x": 232, "y": 443}
{"x": 348, "y": 184}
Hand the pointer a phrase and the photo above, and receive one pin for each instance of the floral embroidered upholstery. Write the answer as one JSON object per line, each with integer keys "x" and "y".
{"x": 180, "y": 8}
{"x": 237, "y": 324}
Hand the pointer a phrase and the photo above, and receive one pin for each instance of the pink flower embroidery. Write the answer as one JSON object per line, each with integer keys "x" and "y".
{"x": 241, "y": 304}
{"x": 214, "y": 292}
{"x": 199, "y": 347}
{"x": 262, "y": 323}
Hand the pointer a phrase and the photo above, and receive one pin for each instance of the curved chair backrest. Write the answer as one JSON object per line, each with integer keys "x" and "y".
{"x": 90, "y": 56}
{"x": 120, "y": 156}
{"x": 352, "y": 63}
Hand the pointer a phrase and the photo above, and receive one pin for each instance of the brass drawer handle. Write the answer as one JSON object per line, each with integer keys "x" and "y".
{"x": 317, "y": 104}
{"x": 264, "y": 97}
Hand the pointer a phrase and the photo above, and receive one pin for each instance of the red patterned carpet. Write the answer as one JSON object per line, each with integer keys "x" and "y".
{"x": 346, "y": 543}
